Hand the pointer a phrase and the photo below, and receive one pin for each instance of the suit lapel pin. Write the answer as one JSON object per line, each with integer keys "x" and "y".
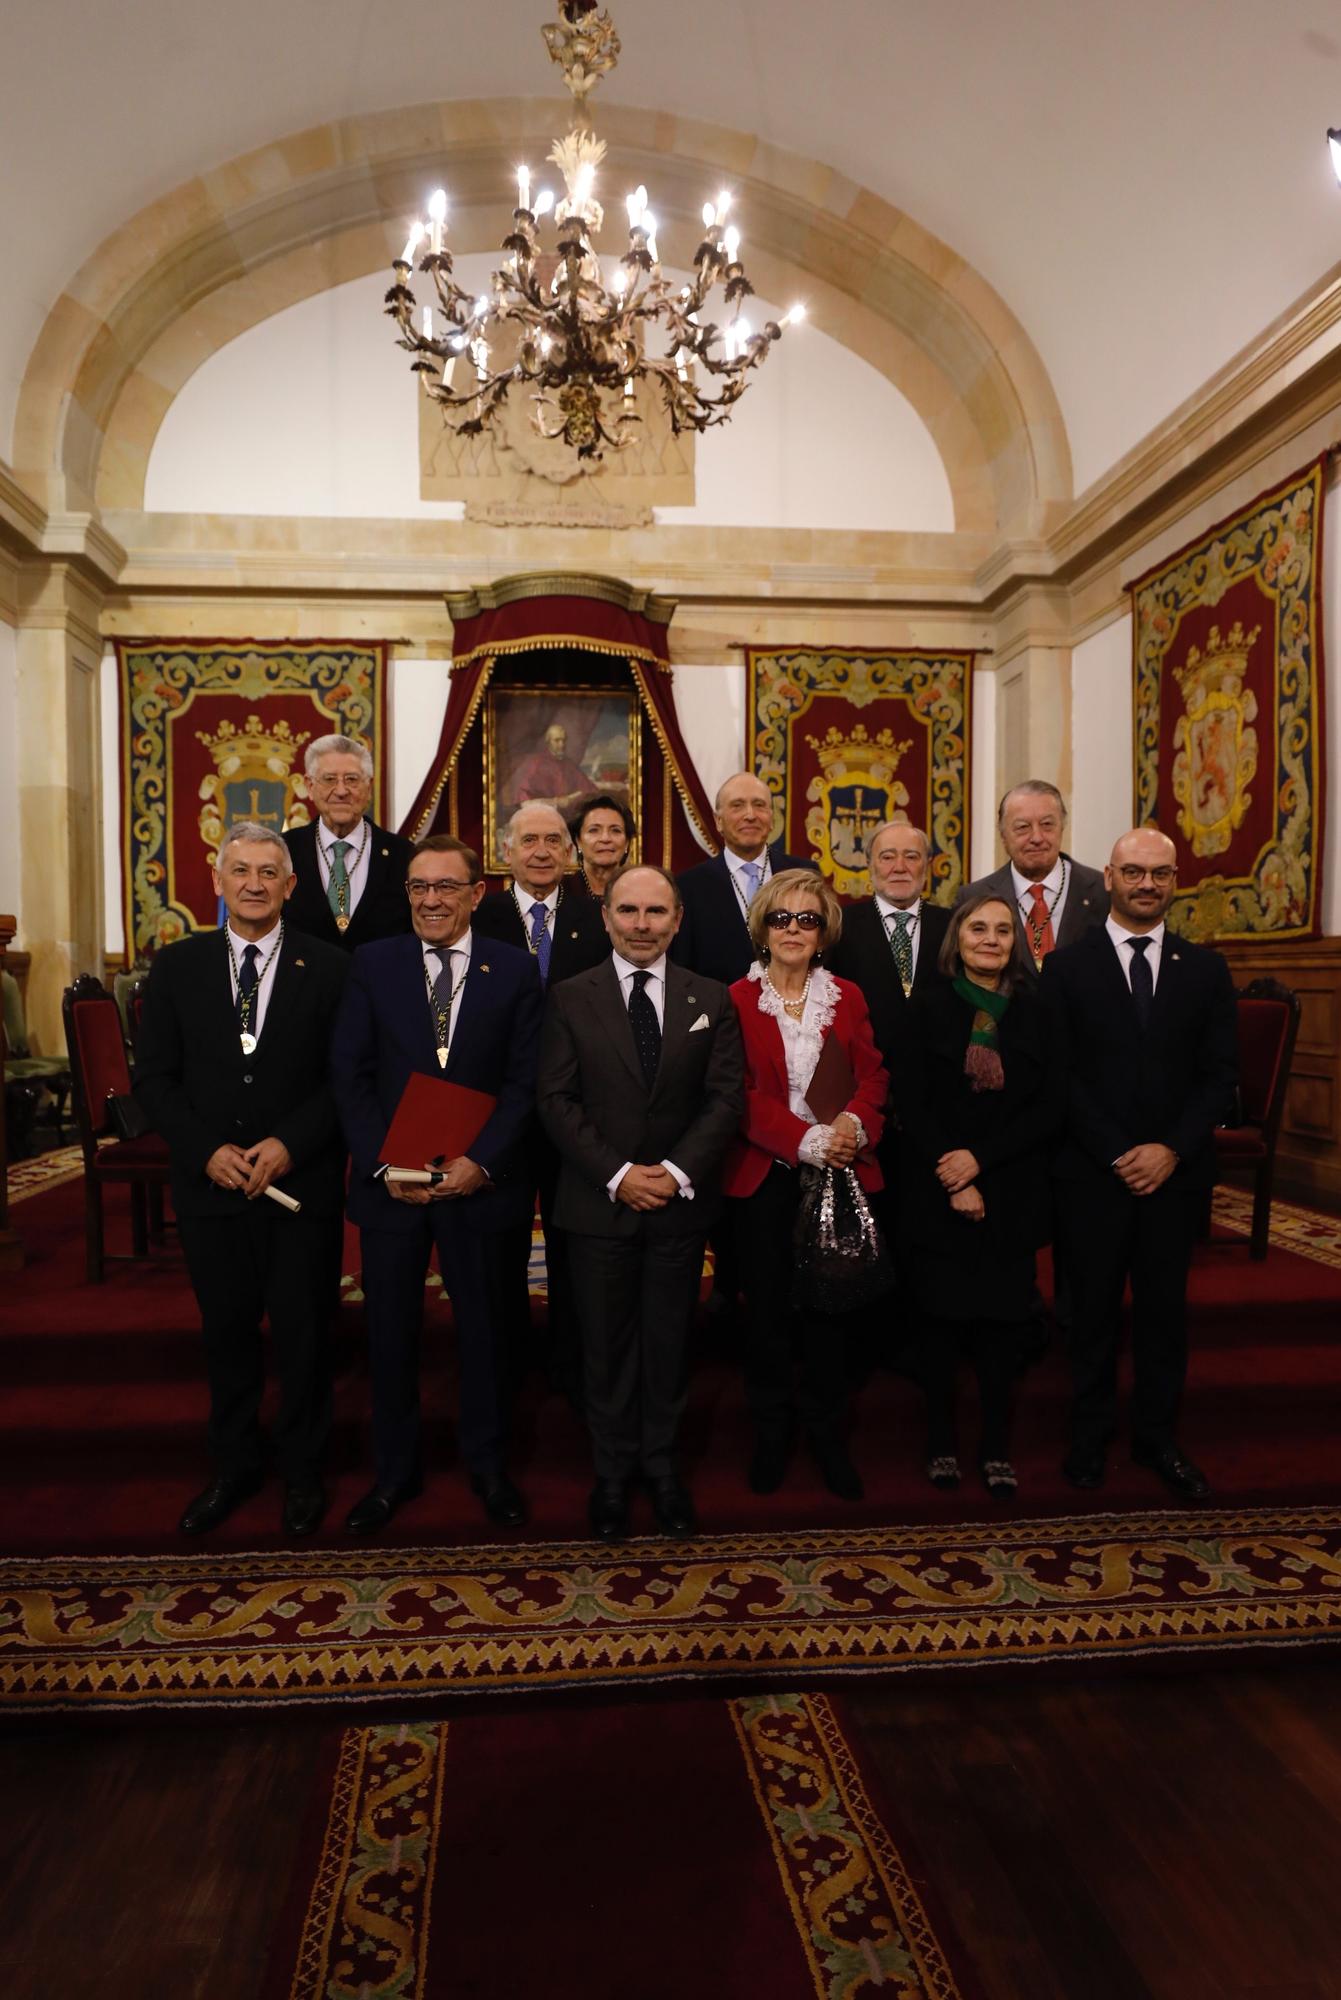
{"x": 1174, "y": 956}
{"x": 572, "y": 934}
{"x": 690, "y": 1001}
{"x": 300, "y": 961}
{"x": 386, "y": 850}
{"x": 484, "y": 968}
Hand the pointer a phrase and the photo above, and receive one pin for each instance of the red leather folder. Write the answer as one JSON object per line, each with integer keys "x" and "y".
{"x": 833, "y": 1086}
{"x": 435, "y": 1120}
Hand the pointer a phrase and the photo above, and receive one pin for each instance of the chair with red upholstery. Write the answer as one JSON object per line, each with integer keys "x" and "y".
{"x": 100, "y": 1069}
{"x": 1268, "y": 1016}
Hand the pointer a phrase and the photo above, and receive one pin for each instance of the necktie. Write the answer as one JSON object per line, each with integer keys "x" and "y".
{"x": 1041, "y": 940}
{"x": 901, "y": 944}
{"x": 443, "y": 984}
{"x": 337, "y": 889}
{"x": 247, "y": 977}
{"x": 1142, "y": 980}
{"x": 646, "y": 1028}
{"x": 753, "y": 874}
{"x": 540, "y": 939}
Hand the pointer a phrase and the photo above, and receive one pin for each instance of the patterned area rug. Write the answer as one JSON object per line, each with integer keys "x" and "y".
{"x": 48, "y": 1170}
{"x": 802, "y": 1886}
{"x": 330, "y": 1626}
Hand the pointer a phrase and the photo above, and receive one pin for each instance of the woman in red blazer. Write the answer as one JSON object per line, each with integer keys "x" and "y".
{"x": 788, "y": 1005}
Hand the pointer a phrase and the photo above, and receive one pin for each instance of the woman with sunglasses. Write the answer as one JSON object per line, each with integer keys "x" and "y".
{"x": 980, "y": 1100}
{"x": 788, "y": 1006}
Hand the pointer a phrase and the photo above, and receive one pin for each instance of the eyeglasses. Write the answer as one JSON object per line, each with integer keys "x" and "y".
{"x": 809, "y": 920}
{"x": 329, "y": 783}
{"x": 1131, "y": 874}
{"x": 416, "y": 890}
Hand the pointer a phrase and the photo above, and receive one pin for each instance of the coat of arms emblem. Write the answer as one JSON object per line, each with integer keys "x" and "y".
{"x": 253, "y": 779}
{"x": 1215, "y": 745}
{"x": 856, "y": 790}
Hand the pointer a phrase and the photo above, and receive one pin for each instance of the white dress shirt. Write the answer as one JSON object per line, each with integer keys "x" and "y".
{"x": 455, "y": 959}
{"x": 1057, "y": 883}
{"x": 356, "y": 861}
{"x": 888, "y": 912}
{"x": 655, "y": 990}
{"x": 526, "y": 902}
{"x": 266, "y": 964}
{"x": 1122, "y": 940}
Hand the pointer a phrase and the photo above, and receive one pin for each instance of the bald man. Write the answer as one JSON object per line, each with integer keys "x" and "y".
{"x": 713, "y": 937}
{"x": 1146, "y": 1029}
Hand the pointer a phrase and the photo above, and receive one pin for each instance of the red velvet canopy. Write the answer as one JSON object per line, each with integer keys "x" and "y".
{"x": 557, "y": 614}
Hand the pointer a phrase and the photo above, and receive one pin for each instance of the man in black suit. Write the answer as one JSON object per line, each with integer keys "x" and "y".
{"x": 641, "y": 1089}
{"x": 441, "y": 1003}
{"x": 232, "y": 1066}
{"x": 350, "y": 872}
{"x": 561, "y": 927}
{"x": 1146, "y": 1030}
{"x": 1054, "y": 898}
{"x": 713, "y": 938}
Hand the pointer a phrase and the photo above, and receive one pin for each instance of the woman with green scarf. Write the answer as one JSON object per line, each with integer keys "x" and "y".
{"x": 980, "y": 1100}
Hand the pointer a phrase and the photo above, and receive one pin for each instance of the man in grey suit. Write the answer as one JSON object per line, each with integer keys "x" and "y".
{"x": 641, "y": 1089}
{"x": 1055, "y": 899}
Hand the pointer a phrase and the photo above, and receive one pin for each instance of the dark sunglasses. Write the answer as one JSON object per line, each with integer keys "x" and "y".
{"x": 809, "y": 920}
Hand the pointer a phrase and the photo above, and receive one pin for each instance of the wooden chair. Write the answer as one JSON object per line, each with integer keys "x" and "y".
{"x": 28, "y": 1077}
{"x": 100, "y": 1069}
{"x": 1268, "y": 1027}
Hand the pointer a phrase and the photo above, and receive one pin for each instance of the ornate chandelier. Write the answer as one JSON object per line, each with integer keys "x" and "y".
{"x": 554, "y": 325}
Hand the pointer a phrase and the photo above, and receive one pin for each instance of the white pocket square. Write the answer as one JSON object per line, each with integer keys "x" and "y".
{"x": 702, "y": 1022}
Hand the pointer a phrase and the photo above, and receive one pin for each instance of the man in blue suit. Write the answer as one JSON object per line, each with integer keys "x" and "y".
{"x": 714, "y": 937}
{"x": 443, "y": 1003}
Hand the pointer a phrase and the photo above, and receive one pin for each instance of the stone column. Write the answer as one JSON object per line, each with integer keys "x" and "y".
{"x": 60, "y": 787}
{"x": 1033, "y": 690}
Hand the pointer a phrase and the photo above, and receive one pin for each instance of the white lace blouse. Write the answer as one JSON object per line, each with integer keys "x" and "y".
{"x": 801, "y": 1042}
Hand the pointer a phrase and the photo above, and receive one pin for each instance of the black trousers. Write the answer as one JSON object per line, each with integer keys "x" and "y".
{"x": 563, "y": 1347}
{"x": 395, "y": 1264}
{"x": 795, "y": 1363}
{"x": 1147, "y": 1238}
{"x": 635, "y": 1298}
{"x": 993, "y": 1347}
{"x": 266, "y": 1263}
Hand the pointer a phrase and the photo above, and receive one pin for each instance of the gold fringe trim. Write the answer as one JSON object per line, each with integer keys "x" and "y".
{"x": 449, "y": 766}
{"x": 672, "y": 764}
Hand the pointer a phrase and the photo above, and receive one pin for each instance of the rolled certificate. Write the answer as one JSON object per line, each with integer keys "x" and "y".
{"x": 417, "y": 1176}
{"x": 284, "y": 1200}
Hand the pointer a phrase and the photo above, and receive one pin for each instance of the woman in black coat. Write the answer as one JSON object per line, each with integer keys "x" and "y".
{"x": 980, "y": 1100}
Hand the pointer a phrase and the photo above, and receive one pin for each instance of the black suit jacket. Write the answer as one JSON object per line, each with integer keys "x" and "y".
{"x": 1086, "y": 903}
{"x": 383, "y": 910}
{"x": 1173, "y": 1084}
{"x": 862, "y": 954}
{"x": 580, "y": 939}
{"x": 713, "y": 938}
{"x": 599, "y": 1113}
{"x": 198, "y": 1089}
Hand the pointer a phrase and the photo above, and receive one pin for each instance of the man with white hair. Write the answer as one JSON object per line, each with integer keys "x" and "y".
{"x": 1055, "y": 899}
{"x": 714, "y": 936}
{"x": 349, "y": 872}
{"x": 232, "y": 1066}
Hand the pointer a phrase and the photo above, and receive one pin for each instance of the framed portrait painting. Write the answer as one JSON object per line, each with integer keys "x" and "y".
{"x": 557, "y": 746}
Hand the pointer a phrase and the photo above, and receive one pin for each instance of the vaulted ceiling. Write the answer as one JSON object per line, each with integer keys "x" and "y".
{"x": 1144, "y": 183}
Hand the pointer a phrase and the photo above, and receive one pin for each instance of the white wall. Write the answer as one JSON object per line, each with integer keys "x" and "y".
{"x": 9, "y": 774}
{"x": 1101, "y": 742}
{"x": 416, "y": 705}
{"x": 313, "y": 412}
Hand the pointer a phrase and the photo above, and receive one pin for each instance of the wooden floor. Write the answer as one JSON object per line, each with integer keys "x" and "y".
{"x": 1089, "y": 1839}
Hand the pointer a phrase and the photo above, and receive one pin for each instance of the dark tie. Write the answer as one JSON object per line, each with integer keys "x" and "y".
{"x": 443, "y": 984}
{"x": 646, "y": 1028}
{"x": 1142, "y": 980}
{"x": 901, "y": 944}
{"x": 246, "y": 985}
{"x": 540, "y": 939}
{"x": 337, "y": 889}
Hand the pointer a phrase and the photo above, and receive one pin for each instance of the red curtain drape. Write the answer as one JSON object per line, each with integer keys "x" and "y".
{"x": 596, "y": 615}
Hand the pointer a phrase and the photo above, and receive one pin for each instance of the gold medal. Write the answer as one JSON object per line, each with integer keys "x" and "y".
{"x": 1038, "y": 961}
{"x": 248, "y": 1044}
{"x": 442, "y": 1058}
{"x": 342, "y": 923}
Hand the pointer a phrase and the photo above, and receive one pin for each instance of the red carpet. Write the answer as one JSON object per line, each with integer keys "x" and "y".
{"x": 539, "y": 1853}
{"x": 102, "y": 1433}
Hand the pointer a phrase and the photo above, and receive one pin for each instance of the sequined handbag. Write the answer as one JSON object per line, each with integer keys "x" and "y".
{"x": 839, "y": 1257}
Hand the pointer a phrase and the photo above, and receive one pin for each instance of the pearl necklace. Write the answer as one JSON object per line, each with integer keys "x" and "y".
{"x": 796, "y": 1008}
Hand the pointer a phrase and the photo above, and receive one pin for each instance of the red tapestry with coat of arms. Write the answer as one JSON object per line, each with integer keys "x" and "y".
{"x": 846, "y": 738}
{"x": 1228, "y": 690}
{"x": 211, "y": 734}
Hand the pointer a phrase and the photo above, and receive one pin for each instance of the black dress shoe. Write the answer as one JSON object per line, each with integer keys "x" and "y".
{"x": 217, "y": 1502}
{"x": 608, "y": 1510}
{"x": 370, "y": 1514}
{"x": 1084, "y": 1469}
{"x": 304, "y": 1506}
{"x": 673, "y": 1508}
{"x": 768, "y": 1464}
{"x": 838, "y": 1472}
{"x": 502, "y": 1502}
{"x": 1177, "y": 1472}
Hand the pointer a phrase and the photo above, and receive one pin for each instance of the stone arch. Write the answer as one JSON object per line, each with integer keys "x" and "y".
{"x": 224, "y": 251}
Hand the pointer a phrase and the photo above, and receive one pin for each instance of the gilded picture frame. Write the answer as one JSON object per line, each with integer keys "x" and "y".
{"x": 557, "y": 745}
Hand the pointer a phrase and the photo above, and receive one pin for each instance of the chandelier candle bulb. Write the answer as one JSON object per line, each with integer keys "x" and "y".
{"x": 437, "y": 217}
{"x": 428, "y": 322}
{"x": 731, "y": 243}
{"x": 524, "y": 188}
{"x": 415, "y": 238}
